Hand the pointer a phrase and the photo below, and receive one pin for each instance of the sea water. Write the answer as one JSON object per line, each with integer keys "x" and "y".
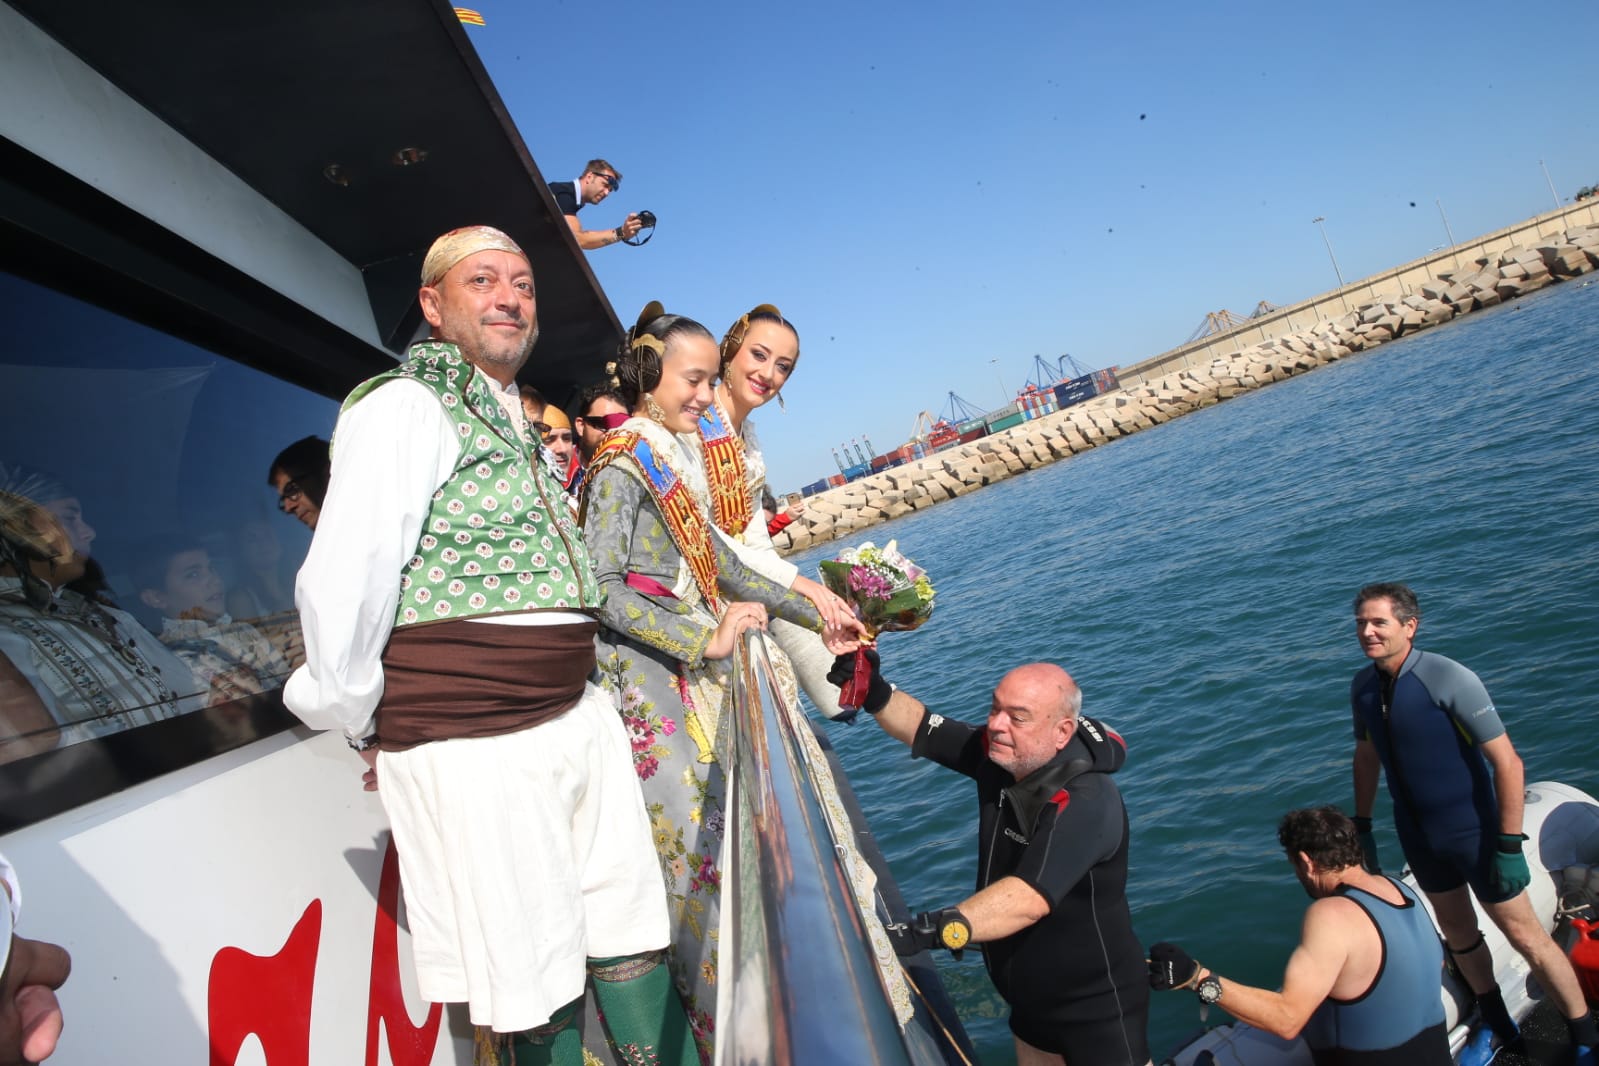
{"x": 1196, "y": 580}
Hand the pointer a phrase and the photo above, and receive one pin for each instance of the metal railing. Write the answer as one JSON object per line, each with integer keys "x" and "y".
{"x": 799, "y": 984}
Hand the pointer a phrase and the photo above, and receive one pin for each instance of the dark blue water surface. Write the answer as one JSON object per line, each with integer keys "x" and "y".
{"x": 1196, "y": 580}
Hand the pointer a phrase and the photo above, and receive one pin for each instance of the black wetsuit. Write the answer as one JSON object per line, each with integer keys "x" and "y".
{"x": 1076, "y": 981}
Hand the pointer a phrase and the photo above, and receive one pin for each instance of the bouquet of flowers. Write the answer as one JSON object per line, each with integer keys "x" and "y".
{"x": 888, "y": 592}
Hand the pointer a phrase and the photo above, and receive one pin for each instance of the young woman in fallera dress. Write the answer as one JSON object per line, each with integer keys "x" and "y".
{"x": 677, "y": 602}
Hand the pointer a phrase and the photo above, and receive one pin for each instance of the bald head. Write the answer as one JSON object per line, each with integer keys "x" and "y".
{"x": 1050, "y": 685}
{"x": 1033, "y": 716}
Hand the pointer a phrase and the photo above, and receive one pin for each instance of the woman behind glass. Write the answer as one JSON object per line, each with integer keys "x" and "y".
{"x": 677, "y": 601}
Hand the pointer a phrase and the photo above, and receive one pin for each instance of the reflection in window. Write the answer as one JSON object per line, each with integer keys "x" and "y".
{"x": 146, "y": 567}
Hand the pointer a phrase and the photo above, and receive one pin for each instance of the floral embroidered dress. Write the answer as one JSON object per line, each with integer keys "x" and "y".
{"x": 736, "y": 473}
{"x": 667, "y": 581}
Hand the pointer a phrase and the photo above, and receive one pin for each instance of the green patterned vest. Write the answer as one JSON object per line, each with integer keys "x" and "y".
{"x": 499, "y": 535}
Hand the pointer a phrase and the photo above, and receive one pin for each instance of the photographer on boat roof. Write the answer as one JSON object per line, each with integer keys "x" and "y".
{"x": 1050, "y": 912}
{"x": 598, "y": 180}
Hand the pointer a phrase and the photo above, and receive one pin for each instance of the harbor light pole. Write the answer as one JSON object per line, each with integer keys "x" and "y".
{"x": 1003, "y": 391}
{"x": 1318, "y": 222}
{"x": 1554, "y": 195}
{"x": 1450, "y": 232}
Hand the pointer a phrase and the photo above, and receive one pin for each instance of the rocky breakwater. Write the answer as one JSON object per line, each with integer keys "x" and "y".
{"x": 849, "y": 509}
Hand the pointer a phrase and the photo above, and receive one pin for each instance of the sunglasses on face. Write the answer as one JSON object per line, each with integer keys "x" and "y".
{"x": 606, "y": 422}
{"x": 610, "y": 181}
{"x": 291, "y": 493}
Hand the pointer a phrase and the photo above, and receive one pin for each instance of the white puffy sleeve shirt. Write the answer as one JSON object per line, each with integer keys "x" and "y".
{"x": 394, "y": 449}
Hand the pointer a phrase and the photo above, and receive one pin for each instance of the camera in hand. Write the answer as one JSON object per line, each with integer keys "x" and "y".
{"x": 646, "y": 221}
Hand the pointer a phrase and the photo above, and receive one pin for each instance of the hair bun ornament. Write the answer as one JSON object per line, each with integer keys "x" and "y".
{"x": 610, "y": 371}
{"x": 637, "y": 338}
{"x": 733, "y": 340}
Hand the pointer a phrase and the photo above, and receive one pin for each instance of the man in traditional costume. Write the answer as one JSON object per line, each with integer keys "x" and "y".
{"x": 448, "y": 606}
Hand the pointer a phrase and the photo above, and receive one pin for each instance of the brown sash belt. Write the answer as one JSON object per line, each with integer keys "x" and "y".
{"x": 447, "y": 680}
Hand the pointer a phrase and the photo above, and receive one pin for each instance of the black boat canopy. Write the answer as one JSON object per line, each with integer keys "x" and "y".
{"x": 372, "y": 123}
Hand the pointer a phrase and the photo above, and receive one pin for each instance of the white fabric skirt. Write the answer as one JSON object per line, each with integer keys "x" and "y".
{"x": 811, "y": 661}
{"x": 520, "y": 857}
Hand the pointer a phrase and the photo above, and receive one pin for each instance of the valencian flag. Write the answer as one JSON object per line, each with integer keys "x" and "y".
{"x": 469, "y": 17}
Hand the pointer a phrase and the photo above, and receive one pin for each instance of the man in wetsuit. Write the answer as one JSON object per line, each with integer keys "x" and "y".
{"x": 1050, "y": 912}
{"x": 1363, "y": 984}
{"x": 1429, "y": 723}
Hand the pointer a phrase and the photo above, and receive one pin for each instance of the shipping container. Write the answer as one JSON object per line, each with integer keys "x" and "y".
{"x": 879, "y": 462}
{"x": 974, "y": 434}
{"x": 1079, "y": 389}
{"x": 835, "y": 480}
{"x": 858, "y": 470}
{"x": 971, "y": 424}
{"x": 1006, "y": 422}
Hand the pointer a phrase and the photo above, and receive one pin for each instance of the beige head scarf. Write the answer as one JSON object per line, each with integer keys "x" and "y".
{"x": 457, "y": 244}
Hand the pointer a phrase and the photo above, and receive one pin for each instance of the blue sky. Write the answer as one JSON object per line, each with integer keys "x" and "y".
{"x": 924, "y": 188}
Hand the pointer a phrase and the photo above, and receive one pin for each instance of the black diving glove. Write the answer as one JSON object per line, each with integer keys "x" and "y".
{"x": 877, "y": 690}
{"x": 1368, "y": 844}
{"x": 947, "y": 928}
{"x": 1170, "y": 967}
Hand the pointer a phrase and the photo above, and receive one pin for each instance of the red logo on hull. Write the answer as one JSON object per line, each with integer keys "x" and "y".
{"x": 270, "y": 996}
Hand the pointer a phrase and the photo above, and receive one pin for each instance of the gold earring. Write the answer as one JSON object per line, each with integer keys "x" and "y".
{"x": 653, "y": 409}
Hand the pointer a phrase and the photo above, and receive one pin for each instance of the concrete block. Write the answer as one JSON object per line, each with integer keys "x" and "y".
{"x": 1439, "y": 314}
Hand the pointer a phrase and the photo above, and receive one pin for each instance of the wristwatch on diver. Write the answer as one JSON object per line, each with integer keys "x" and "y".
{"x": 954, "y": 931}
{"x": 1209, "y": 989}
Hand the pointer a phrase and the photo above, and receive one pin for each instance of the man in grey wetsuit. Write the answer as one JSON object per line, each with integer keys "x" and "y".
{"x": 1429, "y": 723}
{"x": 1363, "y": 984}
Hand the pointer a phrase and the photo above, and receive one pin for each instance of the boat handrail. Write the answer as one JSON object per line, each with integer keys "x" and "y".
{"x": 799, "y": 982}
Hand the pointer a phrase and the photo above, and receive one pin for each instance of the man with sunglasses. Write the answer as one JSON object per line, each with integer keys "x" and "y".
{"x": 598, "y": 180}
{"x": 603, "y": 410}
{"x": 556, "y": 433}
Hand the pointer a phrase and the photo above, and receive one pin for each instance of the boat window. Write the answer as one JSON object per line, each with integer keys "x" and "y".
{"x": 146, "y": 564}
